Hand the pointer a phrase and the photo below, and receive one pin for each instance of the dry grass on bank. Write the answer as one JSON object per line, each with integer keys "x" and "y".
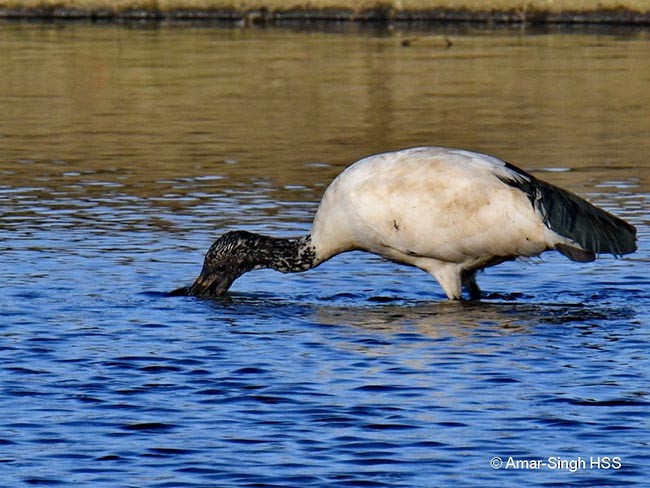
{"x": 548, "y": 7}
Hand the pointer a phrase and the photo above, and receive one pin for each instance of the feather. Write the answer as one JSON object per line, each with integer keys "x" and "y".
{"x": 592, "y": 228}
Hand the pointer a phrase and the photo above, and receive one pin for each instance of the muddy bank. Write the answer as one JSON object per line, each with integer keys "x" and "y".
{"x": 634, "y": 12}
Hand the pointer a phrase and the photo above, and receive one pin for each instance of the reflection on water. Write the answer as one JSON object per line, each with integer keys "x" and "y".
{"x": 140, "y": 108}
{"x": 125, "y": 152}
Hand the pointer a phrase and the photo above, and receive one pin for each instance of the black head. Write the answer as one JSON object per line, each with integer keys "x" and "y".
{"x": 228, "y": 258}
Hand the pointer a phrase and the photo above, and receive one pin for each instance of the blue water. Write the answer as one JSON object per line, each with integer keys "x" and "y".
{"x": 122, "y": 160}
{"x": 357, "y": 373}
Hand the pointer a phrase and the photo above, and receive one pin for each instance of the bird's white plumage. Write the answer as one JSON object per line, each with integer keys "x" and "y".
{"x": 443, "y": 210}
{"x": 447, "y": 211}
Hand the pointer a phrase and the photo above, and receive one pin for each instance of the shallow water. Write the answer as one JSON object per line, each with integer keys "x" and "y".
{"x": 124, "y": 152}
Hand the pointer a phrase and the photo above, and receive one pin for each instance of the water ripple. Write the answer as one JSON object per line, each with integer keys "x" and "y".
{"x": 357, "y": 374}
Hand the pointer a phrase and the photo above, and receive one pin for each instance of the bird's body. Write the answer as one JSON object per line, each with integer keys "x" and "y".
{"x": 440, "y": 210}
{"x": 447, "y": 211}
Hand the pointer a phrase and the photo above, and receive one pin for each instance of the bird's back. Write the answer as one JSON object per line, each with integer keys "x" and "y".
{"x": 436, "y": 203}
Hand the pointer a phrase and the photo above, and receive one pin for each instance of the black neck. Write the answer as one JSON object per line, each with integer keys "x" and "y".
{"x": 284, "y": 255}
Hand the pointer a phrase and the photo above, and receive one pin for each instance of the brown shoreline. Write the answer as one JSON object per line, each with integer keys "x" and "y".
{"x": 383, "y": 14}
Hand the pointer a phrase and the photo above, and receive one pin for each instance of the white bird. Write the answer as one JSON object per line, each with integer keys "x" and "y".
{"x": 449, "y": 212}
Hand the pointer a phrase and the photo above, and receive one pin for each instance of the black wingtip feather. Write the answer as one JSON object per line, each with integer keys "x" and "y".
{"x": 573, "y": 217}
{"x": 593, "y": 228}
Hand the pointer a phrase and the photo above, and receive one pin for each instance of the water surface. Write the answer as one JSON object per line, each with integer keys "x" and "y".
{"x": 124, "y": 152}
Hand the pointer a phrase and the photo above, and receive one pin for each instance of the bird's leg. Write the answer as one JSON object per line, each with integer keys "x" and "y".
{"x": 447, "y": 274}
{"x": 469, "y": 282}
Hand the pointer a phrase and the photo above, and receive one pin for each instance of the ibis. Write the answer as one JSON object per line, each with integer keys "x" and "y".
{"x": 449, "y": 212}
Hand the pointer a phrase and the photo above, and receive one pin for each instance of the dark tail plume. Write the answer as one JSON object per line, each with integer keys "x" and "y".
{"x": 573, "y": 217}
{"x": 591, "y": 227}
